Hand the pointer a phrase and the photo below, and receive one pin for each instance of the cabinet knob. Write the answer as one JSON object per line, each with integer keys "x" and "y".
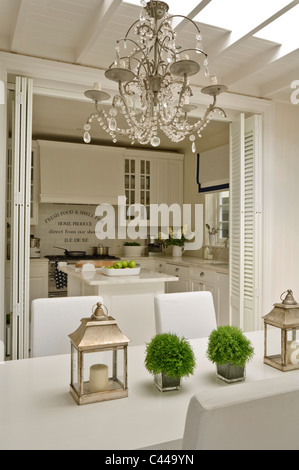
{"x": 177, "y": 270}
{"x": 202, "y": 274}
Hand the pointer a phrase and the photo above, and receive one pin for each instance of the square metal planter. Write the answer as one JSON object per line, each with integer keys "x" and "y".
{"x": 230, "y": 373}
{"x": 167, "y": 384}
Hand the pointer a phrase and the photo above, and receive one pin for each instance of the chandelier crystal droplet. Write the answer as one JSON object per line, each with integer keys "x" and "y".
{"x": 153, "y": 72}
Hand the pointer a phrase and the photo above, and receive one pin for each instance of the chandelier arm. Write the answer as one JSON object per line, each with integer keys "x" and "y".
{"x": 133, "y": 55}
{"x": 131, "y": 27}
{"x": 133, "y": 123}
{"x": 194, "y": 50}
{"x": 184, "y": 87}
{"x": 179, "y": 16}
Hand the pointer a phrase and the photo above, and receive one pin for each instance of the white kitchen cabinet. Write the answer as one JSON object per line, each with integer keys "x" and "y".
{"x": 138, "y": 176}
{"x": 160, "y": 266}
{"x": 153, "y": 177}
{"x": 182, "y": 272}
{"x": 80, "y": 174}
{"x": 218, "y": 285}
{"x": 38, "y": 287}
{"x": 203, "y": 279}
{"x": 34, "y": 180}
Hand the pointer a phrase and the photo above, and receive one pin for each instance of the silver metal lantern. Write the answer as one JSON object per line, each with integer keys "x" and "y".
{"x": 98, "y": 359}
{"x": 281, "y": 329}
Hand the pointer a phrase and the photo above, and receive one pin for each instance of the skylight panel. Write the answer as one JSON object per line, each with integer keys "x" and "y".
{"x": 236, "y": 15}
{"x": 284, "y": 30}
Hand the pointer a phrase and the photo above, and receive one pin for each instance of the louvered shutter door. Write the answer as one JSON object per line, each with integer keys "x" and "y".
{"x": 252, "y": 223}
{"x": 246, "y": 225}
{"x": 20, "y": 217}
{"x": 236, "y": 222}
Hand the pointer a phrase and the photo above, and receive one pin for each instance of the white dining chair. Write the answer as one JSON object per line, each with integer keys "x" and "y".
{"x": 188, "y": 314}
{"x": 52, "y": 320}
{"x": 258, "y": 415}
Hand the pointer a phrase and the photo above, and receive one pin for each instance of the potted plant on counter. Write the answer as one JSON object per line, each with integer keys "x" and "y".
{"x": 230, "y": 350}
{"x": 176, "y": 239}
{"x": 169, "y": 358}
{"x": 132, "y": 249}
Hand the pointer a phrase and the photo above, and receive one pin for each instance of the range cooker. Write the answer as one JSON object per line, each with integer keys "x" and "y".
{"x": 57, "y": 280}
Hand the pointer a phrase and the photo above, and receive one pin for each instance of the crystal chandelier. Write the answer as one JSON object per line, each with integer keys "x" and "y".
{"x": 152, "y": 73}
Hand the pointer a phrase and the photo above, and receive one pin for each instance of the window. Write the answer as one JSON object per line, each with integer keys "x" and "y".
{"x": 217, "y": 215}
{"x": 223, "y": 215}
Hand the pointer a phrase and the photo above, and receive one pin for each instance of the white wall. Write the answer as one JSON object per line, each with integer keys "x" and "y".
{"x": 284, "y": 205}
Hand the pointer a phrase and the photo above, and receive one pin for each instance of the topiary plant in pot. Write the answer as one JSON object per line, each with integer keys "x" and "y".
{"x": 230, "y": 350}
{"x": 169, "y": 358}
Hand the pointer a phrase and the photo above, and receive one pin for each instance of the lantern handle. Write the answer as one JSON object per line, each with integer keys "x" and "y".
{"x": 290, "y": 294}
{"x": 282, "y": 294}
{"x": 102, "y": 305}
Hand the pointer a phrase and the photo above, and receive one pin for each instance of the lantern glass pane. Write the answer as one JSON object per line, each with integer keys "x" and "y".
{"x": 292, "y": 352}
{"x": 273, "y": 343}
{"x": 75, "y": 380}
{"x": 119, "y": 370}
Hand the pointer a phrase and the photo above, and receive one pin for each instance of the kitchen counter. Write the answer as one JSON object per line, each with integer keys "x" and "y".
{"x": 96, "y": 278}
{"x": 188, "y": 261}
{"x": 129, "y": 299}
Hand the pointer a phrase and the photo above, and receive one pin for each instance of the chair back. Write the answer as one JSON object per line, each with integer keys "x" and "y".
{"x": 188, "y": 314}
{"x": 258, "y": 415}
{"x": 52, "y": 320}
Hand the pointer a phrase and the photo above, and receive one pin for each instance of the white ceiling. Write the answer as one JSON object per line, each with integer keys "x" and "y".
{"x": 234, "y": 31}
{"x": 84, "y": 33}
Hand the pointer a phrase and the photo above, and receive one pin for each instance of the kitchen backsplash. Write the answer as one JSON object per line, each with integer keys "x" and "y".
{"x": 71, "y": 227}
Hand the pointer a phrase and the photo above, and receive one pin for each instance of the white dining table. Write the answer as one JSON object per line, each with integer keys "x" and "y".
{"x": 38, "y": 412}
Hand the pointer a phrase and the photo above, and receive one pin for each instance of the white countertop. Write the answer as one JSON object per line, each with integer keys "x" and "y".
{"x": 188, "y": 261}
{"x": 98, "y": 279}
{"x": 38, "y": 412}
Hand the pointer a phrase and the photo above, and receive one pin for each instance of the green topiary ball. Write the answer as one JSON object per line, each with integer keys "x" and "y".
{"x": 171, "y": 355}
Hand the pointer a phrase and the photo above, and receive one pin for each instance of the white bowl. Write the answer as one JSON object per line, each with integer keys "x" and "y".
{"x": 121, "y": 272}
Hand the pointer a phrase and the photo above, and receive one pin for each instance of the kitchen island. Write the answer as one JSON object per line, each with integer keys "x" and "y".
{"x": 129, "y": 299}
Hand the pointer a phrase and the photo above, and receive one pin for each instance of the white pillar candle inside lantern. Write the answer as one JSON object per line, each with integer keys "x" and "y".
{"x": 98, "y": 378}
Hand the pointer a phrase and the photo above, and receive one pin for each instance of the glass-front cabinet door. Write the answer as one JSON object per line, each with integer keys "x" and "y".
{"x": 145, "y": 184}
{"x": 130, "y": 182}
{"x": 138, "y": 183}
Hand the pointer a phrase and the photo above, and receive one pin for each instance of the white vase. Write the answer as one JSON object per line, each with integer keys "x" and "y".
{"x": 212, "y": 240}
{"x": 177, "y": 251}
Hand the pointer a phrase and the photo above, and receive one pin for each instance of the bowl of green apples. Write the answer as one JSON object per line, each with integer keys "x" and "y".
{"x": 122, "y": 268}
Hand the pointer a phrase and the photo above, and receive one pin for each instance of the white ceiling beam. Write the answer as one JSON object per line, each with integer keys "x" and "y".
{"x": 234, "y": 38}
{"x": 251, "y": 67}
{"x": 199, "y": 7}
{"x": 105, "y": 13}
{"x": 17, "y": 30}
{"x": 259, "y": 63}
{"x": 280, "y": 84}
